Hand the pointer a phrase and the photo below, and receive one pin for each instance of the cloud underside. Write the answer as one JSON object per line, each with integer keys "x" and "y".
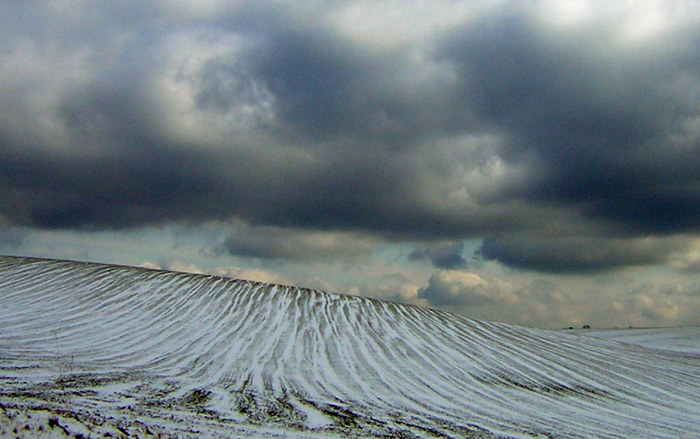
{"x": 568, "y": 144}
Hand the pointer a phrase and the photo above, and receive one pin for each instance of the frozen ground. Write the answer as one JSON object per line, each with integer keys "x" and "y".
{"x": 681, "y": 340}
{"x": 89, "y": 350}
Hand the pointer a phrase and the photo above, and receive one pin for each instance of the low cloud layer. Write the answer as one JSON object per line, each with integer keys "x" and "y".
{"x": 540, "y": 302}
{"x": 459, "y": 289}
{"x": 587, "y": 254}
{"x": 443, "y": 255}
{"x": 297, "y": 245}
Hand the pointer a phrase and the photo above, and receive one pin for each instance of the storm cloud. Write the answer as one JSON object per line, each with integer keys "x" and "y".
{"x": 278, "y": 243}
{"x": 500, "y": 122}
{"x": 444, "y": 255}
{"x": 584, "y": 254}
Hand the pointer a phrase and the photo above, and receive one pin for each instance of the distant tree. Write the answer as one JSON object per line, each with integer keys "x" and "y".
{"x": 586, "y": 326}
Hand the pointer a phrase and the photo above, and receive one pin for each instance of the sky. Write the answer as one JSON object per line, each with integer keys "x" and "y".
{"x": 530, "y": 162}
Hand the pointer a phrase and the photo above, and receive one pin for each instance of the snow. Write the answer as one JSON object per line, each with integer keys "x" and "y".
{"x": 130, "y": 351}
{"x": 680, "y": 340}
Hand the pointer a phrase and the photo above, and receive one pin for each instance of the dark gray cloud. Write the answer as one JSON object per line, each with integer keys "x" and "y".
{"x": 11, "y": 237}
{"x": 280, "y": 243}
{"x": 330, "y": 89}
{"x": 444, "y": 255}
{"x": 565, "y": 254}
{"x": 500, "y": 126}
{"x": 600, "y": 126}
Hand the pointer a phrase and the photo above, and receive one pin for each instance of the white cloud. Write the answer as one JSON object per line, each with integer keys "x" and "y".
{"x": 388, "y": 25}
{"x": 252, "y": 274}
{"x": 462, "y": 289}
{"x": 150, "y": 265}
{"x": 204, "y": 93}
{"x": 687, "y": 258}
{"x": 557, "y": 302}
{"x": 628, "y": 25}
{"x": 185, "y": 267}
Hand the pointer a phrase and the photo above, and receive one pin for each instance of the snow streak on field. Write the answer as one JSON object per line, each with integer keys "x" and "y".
{"x": 686, "y": 340}
{"x": 88, "y": 349}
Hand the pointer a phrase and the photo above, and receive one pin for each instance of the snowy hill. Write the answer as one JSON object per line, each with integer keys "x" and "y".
{"x": 97, "y": 350}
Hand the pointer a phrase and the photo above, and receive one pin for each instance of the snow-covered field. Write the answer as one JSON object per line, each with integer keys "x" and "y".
{"x": 684, "y": 340}
{"x": 90, "y": 350}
